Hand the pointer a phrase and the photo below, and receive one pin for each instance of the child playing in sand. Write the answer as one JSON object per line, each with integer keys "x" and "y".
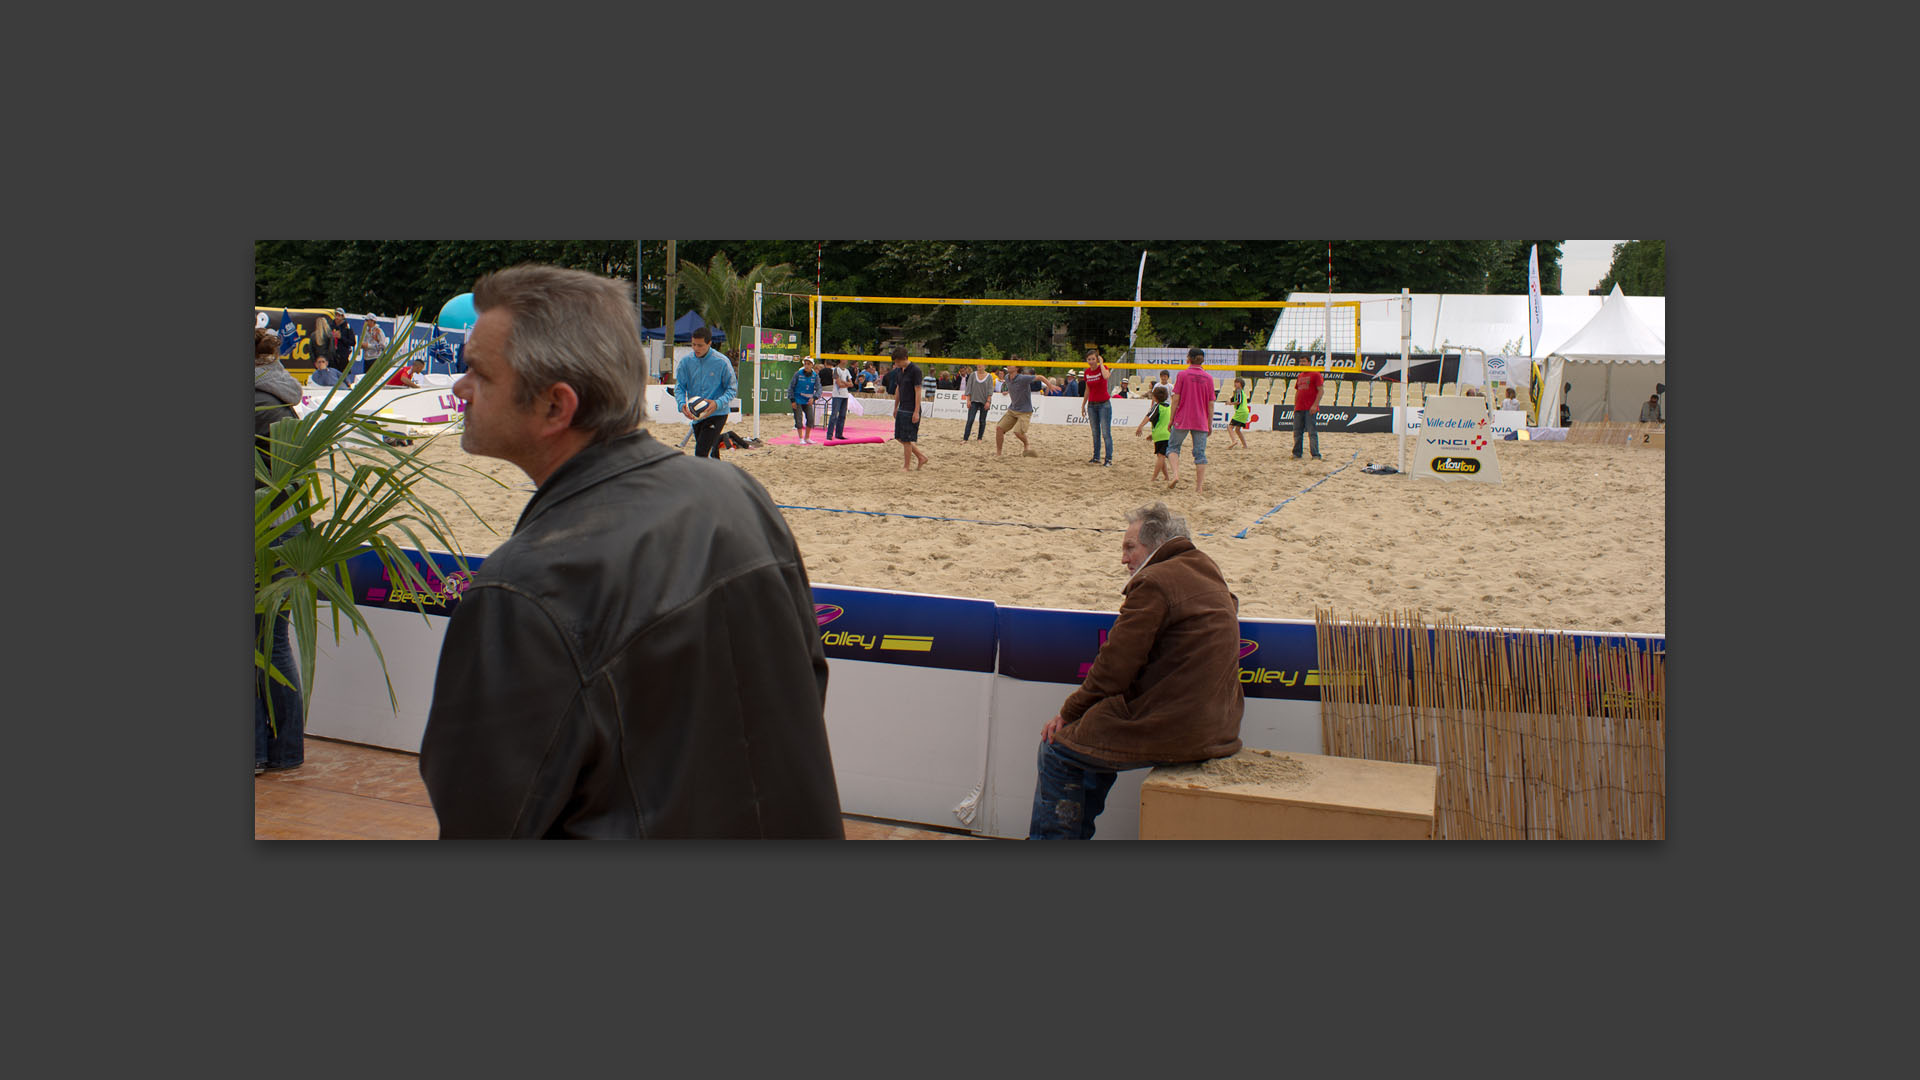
{"x": 1161, "y": 417}
{"x": 1237, "y": 427}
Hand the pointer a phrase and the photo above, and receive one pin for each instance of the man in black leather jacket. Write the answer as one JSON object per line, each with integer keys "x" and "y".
{"x": 640, "y": 658}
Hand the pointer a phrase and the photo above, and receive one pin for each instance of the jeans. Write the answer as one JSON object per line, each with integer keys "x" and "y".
{"x": 285, "y": 747}
{"x": 1180, "y": 435}
{"x": 1068, "y": 793}
{"x": 1100, "y": 419}
{"x": 1303, "y": 421}
{"x": 975, "y": 408}
{"x": 837, "y": 419}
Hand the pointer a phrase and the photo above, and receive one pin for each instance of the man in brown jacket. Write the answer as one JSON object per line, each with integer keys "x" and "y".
{"x": 1165, "y": 687}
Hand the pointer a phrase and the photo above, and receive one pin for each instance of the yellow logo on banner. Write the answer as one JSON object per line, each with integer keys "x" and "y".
{"x": 1463, "y": 466}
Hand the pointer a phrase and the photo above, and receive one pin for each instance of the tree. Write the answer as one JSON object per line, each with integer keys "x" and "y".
{"x": 1145, "y": 337}
{"x": 1639, "y": 268}
{"x": 724, "y": 298}
{"x": 1019, "y": 330}
{"x": 1509, "y": 271}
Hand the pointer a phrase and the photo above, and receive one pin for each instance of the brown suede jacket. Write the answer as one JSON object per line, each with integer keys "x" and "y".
{"x": 1166, "y": 685}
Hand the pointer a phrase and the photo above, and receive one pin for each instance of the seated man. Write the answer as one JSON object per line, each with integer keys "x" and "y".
{"x": 1165, "y": 687}
{"x": 323, "y": 375}
{"x": 1650, "y": 412}
{"x": 408, "y": 374}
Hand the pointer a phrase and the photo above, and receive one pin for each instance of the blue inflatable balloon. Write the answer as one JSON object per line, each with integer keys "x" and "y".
{"x": 458, "y": 314}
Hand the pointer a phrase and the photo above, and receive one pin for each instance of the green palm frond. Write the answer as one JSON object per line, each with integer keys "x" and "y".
{"x": 332, "y": 473}
{"x": 724, "y": 298}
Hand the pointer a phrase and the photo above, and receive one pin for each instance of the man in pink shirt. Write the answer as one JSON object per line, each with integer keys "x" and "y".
{"x": 1306, "y": 397}
{"x": 1192, "y": 416}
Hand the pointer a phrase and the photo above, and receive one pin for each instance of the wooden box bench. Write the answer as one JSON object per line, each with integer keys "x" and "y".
{"x": 1271, "y": 795}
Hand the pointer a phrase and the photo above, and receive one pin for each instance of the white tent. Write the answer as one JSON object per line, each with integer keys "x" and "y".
{"x": 1613, "y": 363}
{"x": 1451, "y": 321}
{"x": 1497, "y": 324}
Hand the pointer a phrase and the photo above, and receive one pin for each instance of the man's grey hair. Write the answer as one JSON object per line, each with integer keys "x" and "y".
{"x": 1158, "y": 524}
{"x": 577, "y": 328}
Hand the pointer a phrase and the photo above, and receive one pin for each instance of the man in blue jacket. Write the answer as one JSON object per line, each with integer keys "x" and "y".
{"x": 801, "y": 392}
{"x": 706, "y": 374}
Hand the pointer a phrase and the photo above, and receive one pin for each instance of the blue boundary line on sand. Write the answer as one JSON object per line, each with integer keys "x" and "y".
{"x": 1242, "y": 534}
{"x": 936, "y": 517}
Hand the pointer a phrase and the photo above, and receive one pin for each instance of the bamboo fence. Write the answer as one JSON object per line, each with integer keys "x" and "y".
{"x": 1534, "y": 735}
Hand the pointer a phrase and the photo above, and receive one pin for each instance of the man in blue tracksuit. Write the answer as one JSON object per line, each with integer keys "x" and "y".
{"x": 706, "y": 374}
{"x": 801, "y": 391}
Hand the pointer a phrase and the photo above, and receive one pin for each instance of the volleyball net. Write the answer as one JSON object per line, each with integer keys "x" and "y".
{"x": 1314, "y": 330}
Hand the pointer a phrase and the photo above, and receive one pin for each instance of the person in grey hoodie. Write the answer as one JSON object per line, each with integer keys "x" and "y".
{"x": 979, "y": 392}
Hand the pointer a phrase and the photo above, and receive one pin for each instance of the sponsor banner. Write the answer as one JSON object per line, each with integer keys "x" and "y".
{"x": 905, "y": 628}
{"x": 1501, "y": 371}
{"x": 407, "y": 410}
{"x": 1505, "y": 423}
{"x": 1277, "y": 659}
{"x": 1456, "y": 441}
{"x": 952, "y": 405}
{"x": 1356, "y": 418}
{"x": 1421, "y": 367}
{"x": 1127, "y": 412}
{"x": 373, "y": 587}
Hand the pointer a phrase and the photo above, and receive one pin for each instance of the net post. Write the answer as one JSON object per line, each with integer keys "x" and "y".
{"x": 1406, "y": 347}
{"x": 756, "y": 359}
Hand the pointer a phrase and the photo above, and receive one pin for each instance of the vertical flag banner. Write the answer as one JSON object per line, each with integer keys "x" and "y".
{"x": 287, "y": 334}
{"x": 1533, "y": 301}
{"x": 1137, "y": 283}
{"x": 1533, "y": 335}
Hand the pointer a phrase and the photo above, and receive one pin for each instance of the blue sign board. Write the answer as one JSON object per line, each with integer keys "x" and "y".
{"x": 904, "y": 628}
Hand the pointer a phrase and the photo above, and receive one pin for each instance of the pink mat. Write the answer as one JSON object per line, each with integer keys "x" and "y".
{"x": 792, "y": 438}
{"x": 859, "y": 430}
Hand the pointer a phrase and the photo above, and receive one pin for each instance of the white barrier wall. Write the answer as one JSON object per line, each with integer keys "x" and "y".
{"x": 934, "y": 704}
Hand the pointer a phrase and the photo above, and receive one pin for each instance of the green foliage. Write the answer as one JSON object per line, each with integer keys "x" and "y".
{"x": 1019, "y": 331}
{"x": 1639, "y": 268}
{"x": 1146, "y": 336}
{"x": 386, "y": 276}
{"x": 1508, "y": 273}
{"x": 332, "y": 474}
{"x": 398, "y": 275}
{"x": 724, "y": 298}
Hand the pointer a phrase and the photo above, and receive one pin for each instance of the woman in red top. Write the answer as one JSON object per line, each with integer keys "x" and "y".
{"x": 1097, "y": 408}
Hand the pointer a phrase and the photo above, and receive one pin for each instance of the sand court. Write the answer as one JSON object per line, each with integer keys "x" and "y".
{"x": 1573, "y": 538}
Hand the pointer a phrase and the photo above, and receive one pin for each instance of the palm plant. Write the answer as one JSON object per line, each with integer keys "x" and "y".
{"x": 724, "y": 297}
{"x": 333, "y": 474}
